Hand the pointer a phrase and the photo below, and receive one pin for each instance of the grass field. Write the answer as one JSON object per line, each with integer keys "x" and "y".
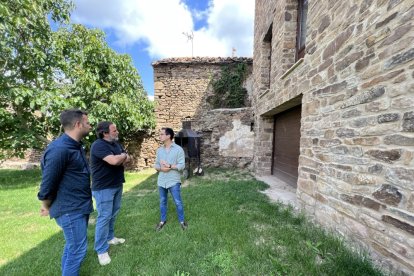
{"x": 233, "y": 230}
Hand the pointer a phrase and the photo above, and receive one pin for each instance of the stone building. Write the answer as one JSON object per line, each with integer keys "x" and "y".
{"x": 182, "y": 90}
{"x": 333, "y": 101}
{"x": 142, "y": 149}
{"x": 30, "y": 160}
{"x": 182, "y": 87}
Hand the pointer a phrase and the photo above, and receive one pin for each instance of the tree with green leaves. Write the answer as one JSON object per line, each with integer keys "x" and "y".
{"x": 97, "y": 79}
{"x": 43, "y": 72}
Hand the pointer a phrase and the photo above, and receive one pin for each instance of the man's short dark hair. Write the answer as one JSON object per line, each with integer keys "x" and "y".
{"x": 69, "y": 117}
{"x": 169, "y": 131}
{"x": 103, "y": 127}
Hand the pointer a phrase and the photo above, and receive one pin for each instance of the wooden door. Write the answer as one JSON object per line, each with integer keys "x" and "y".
{"x": 286, "y": 145}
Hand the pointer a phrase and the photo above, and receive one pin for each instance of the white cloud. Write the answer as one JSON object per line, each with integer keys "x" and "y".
{"x": 160, "y": 24}
{"x": 200, "y": 14}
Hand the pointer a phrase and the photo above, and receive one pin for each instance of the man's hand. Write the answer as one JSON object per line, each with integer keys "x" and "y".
{"x": 44, "y": 209}
{"x": 127, "y": 159}
{"x": 165, "y": 167}
{"x": 44, "y": 212}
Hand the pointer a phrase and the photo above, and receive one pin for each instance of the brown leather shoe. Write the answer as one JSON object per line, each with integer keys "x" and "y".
{"x": 160, "y": 225}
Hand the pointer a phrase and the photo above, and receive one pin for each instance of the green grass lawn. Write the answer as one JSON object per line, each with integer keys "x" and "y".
{"x": 233, "y": 230}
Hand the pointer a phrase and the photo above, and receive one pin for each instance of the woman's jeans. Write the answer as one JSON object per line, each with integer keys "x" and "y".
{"x": 108, "y": 203}
{"x": 176, "y": 194}
{"x": 74, "y": 228}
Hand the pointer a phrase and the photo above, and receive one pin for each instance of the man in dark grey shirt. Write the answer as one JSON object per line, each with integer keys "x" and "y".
{"x": 107, "y": 164}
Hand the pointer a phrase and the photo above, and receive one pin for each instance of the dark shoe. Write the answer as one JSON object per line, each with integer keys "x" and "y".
{"x": 184, "y": 225}
{"x": 160, "y": 225}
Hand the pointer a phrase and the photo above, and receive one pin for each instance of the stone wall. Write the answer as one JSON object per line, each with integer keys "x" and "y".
{"x": 182, "y": 89}
{"x": 227, "y": 138}
{"x": 356, "y": 88}
{"x": 30, "y": 160}
{"x": 142, "y": 149}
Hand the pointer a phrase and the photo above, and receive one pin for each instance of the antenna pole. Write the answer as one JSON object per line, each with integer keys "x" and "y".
{"x": 190, "y": 36}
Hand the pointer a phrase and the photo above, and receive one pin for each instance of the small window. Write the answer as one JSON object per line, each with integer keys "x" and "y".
{"x": 267, "y": 54}
{"x": 301, "y": 29}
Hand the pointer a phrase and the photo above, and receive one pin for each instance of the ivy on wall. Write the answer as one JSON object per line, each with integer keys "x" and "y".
{"x": 228, "y": 91}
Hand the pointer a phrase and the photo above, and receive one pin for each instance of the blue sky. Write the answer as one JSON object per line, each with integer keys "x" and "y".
{"x": 150, "y": 30}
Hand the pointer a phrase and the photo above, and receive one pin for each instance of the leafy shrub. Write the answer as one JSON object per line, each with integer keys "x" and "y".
{"x": 228, "y": 90}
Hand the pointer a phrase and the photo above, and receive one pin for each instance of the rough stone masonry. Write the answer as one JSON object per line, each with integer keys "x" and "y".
{"x": 355, "y": 86}
{"x": 182, "y": 87}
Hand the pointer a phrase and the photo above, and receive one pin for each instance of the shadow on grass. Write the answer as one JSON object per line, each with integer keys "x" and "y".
{"x": 233, "y": 230}
{"x": 13, "y": 179}
{"x": 144, "y": 248}
{"x": 44, "y": 259}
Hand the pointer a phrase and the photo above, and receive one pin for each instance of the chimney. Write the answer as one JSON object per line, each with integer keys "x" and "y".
{"x": 186, "y": 124}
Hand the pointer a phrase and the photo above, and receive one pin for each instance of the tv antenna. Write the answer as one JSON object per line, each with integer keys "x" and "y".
{"x": 190, "y": 36}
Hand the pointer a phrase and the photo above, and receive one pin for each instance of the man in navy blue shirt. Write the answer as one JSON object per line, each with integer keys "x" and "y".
{"x": 107, "y": 165}
{"x": 65, "y": 189}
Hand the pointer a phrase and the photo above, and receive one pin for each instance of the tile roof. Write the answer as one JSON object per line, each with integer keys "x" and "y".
{"x": 202, "y": 60}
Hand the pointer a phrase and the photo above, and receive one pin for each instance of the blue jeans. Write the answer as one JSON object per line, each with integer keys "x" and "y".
{"x": 108, "y": 203}
{"x": 74, "y": 228}
{"x": 176, "y": 194}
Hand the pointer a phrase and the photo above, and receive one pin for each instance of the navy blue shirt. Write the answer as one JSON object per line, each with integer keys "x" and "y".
{"x": 66, "y": 178}
{"x": 105, "y": 175}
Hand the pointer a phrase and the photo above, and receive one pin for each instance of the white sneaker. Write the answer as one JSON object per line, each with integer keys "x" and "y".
{"x": 104, "y": 258}
{"x": 116, "y": 241}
